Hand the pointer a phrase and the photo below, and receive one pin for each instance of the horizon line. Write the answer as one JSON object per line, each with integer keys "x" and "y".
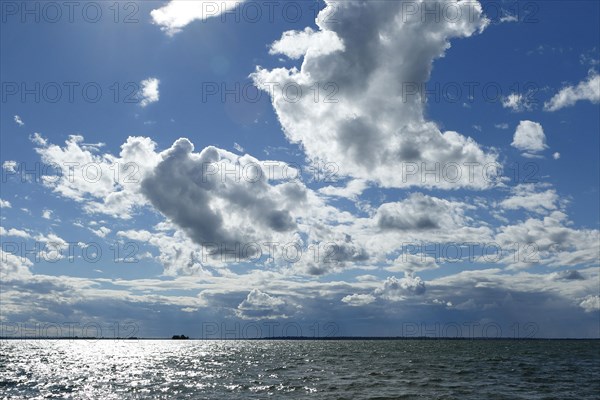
{"x": 305, "y": 338}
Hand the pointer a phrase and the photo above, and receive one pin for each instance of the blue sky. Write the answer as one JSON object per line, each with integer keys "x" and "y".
{"x": 157, "y": 114}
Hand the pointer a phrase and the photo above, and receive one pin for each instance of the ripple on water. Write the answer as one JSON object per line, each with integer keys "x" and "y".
{"x": 294, "y": 369}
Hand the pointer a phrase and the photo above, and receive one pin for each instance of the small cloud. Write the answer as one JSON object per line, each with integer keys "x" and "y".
{"x": 366, "y": 278}
{"x": 149, "y": 91}
{"x": 587, "y": 90}
{"x": 556, "y": 155}
{"x": 410, "y": 263}
{"x": 14, "y": 232}
{"x": 47, "y": 214}
{"x": 443, "y": 302}
{"x": 238, "y": 147}
{"x": 101, "y": 232}
{"x": 36, "y": 138}
{"x": 509, "y": 18}
{"x": 518, "y": 102}
{"x": 590, "y": 59}
{"x": 19, "y": 121}
{"x": 532, "y": 155}
{"x": 503, "y": 125}
{"x": 394, "y": 289}
{"x": 529, "y": 138}
{"x": 352, "y": 190}
{"x": 5, "y": 204}
{"x": 590, "y": 303}
{"x": 260, "y": 305}
{"x": 513, "y": 101}
{"x": 175, "y": 15}
{"x": 92, "y": 146}
{"x": 357, "y": 300}
{"x": 10, "y": 166}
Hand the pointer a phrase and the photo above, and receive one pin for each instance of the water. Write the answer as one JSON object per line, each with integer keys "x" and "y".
{"x": 409, "y": 369}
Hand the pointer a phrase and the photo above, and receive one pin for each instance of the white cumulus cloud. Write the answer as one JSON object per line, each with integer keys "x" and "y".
{"x": 590, "y": 303}
{"x": 529, "y": 137}
{"x": 528, "y": 197}
{"x": 149, "y": 91}
{"x": 296, "y": 44}
{"x": 394, "y": 289}
{"x": 357, "y": 300}
{"x": 587, "y": 90}
{"x": 363, "y": 119}
{"x": 104, "y": 183}
{"x": 14, "y": 232}
{"x": 179, "y": 13}
{"x": 260, "y": 305}
{"x": 352, "y": 190}
{"x": 517, "y": 102}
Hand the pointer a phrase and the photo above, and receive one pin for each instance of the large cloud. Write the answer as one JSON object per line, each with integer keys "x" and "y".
{"x": 229, "y": 206}
{"x": 220, "y": 199}
{"x": 374, "y": 127}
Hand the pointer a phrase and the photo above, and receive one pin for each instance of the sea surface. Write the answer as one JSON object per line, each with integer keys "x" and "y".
{"x": 333, "y": 369}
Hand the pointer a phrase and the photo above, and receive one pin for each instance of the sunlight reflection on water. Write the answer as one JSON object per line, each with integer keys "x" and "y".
{"x": 127, "y": 369}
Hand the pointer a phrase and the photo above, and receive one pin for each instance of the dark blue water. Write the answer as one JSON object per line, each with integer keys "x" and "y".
{"x": 411, "y": 369}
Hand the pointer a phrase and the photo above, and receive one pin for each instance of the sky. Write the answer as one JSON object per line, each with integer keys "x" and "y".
{"x": 302, "y": 168}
